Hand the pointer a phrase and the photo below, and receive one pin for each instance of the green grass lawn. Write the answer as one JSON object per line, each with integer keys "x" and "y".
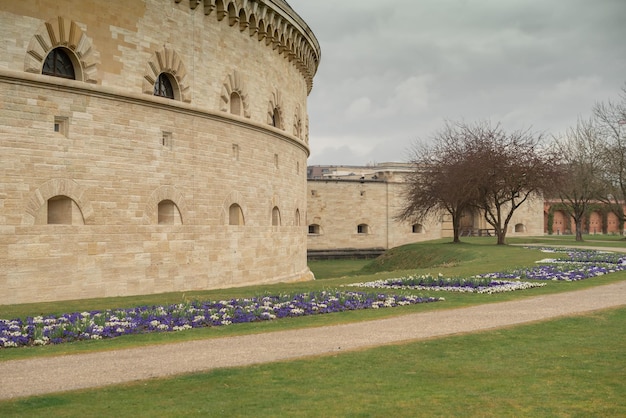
{"x": 328, "y": 269}
{"x": 561, "y": 368}
{"x": 567, "y": 367}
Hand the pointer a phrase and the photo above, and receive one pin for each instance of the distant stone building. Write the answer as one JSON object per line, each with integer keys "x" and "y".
{"x": 152, "y": 146}
{"x": 352, "y": 210}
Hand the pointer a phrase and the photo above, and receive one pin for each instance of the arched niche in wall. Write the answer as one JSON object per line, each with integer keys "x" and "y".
{"x": 58, "y": 191}
{"x": 159, "y": 211}
{"x": 234, "y": 210}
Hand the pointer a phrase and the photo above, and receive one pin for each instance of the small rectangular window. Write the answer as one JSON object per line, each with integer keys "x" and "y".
{"x": 166, "y": 139}
{"x": 314, "y": 193}
{"x": 61, "y": 124}
{"x": 276, "y": 160}
{"x": 235, "y": 152}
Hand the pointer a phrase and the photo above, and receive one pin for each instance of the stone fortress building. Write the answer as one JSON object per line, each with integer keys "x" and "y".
{"x": 152, "y": 146}
{"x": 351, "y": 211}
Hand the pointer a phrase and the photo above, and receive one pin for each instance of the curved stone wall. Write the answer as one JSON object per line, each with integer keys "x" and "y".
{"x": 107, "y": 189}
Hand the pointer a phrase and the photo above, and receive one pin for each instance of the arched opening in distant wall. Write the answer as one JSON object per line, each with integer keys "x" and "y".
{"x": 418, "y": 229}
{"x": 560, "y": 222}
{"x": 466, "y": 222}
{"x": 612, "y": 223}
{"x": 595, "y": 222}
{"x": 363, "y": 229}
{"x": 520, "y": 228}
{"x": 275, "y": 216}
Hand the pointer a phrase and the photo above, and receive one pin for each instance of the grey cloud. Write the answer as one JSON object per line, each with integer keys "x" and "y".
{"x": 391, "y": 72}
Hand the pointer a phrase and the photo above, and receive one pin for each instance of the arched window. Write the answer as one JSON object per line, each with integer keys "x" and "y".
{"x": 276, "y": 122}
{"x": 314, "y": 229}
{"x": 163, "y": 86}
{"x": 59, "y": 64}
{"x": 297, "y": 221}
{"x": 520, "y": 228}
{"x": 418, "y": 229}
{"x": 275, "y": 216}
{"x": 362, "y": 229}
{"x": 235, "y": 103}
{"x": 235, "y": 215}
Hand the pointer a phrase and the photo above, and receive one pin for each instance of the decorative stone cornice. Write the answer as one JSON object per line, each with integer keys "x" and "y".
{"x": 274, "y": 22}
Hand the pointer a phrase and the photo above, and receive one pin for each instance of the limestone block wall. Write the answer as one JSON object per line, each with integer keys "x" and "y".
{"x": 527, "y": 220}
{"x": 336, "y": 208}
{"x": 401, "y": 233}
{"x": 107, "y": 190}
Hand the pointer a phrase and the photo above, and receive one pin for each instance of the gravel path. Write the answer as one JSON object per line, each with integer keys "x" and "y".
{"x": 20, "y": 378}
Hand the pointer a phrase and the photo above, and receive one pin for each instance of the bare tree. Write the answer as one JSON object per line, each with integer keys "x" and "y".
{"x": 610, "y": 123}
{"x": 510, "y": 169}
{"x": 477, "y": 166}
{"x": 582, "y": 182}
{"x": 441, "y": 181}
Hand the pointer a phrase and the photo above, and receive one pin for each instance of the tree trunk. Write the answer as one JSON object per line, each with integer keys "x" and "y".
{"x": 455, "y": 229}
{"x": 577, "y": 217}
{"x": 579, "y": 230}
{"x": 501, "y": 234}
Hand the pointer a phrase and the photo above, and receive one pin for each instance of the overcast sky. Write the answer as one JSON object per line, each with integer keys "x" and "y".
{"x": 391, "y": 71}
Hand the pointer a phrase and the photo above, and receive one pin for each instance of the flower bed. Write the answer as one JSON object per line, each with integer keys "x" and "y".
{"x": 113, "y": 323}
{"x": 578, "y": 265}
{"x": 440, "y": 283}
{"x": 575, "y": 264}
{"x": 584, "y": 256}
